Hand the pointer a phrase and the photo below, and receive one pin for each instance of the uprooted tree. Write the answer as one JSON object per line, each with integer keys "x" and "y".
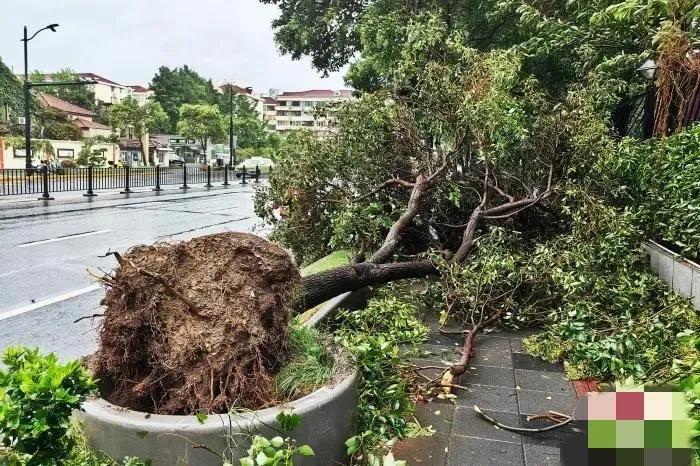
{"x": 480, "y": 142}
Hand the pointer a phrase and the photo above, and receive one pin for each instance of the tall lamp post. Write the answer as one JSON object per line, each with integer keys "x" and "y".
{"x": 27, "y": 116}
{"x": 231, "y": 143}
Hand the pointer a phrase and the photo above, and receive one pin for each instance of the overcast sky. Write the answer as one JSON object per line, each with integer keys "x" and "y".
{"x": 127, "y": 40}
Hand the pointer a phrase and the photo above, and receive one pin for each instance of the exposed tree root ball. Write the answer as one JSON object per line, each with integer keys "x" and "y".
{"x": 196, "y": 325}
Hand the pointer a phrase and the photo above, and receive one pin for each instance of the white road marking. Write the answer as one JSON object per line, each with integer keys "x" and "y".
{"x": 48, "y": 302}
{"x": 61, "y": 238}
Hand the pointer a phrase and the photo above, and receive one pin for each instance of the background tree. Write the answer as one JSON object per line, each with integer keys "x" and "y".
{"x": 175, "y": 87}
{"x": 141, "y": 120}
{"x": 81, "y": 96}
{"x": 89, "y": 156}
{"x": 201, "y": 122}
{"x": 51, "y": 124}
{"x": 11, "y": 97}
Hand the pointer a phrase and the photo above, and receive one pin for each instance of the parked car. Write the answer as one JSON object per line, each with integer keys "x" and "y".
{"x": 263, "y": 163}
{"x": 176, "y": 161}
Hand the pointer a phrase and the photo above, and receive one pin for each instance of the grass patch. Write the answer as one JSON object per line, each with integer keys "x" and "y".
{"x": 311, "y": 365}
{"x": 331, "y": 261}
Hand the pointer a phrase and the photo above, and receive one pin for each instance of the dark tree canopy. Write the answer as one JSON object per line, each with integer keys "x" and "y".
{"x": 175, "y": 87}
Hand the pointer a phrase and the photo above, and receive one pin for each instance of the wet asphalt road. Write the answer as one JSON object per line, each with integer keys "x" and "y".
{"x": 45, "y": 252}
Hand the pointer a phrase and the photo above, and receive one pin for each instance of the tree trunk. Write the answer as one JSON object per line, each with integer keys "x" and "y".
{"x": 144, "y": 151}
{"x": 323, "y": 286}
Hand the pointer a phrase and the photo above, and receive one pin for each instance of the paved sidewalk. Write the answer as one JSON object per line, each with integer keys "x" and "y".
{"x": 504, "y": 382}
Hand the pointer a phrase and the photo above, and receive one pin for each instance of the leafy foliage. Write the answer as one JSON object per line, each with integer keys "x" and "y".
{"x": 201, "y": 122}
{"x": 661, "y": 175}
{"x": 610, "y": 316}
{"x": 373, "y": 336}
{"x": 140, "y": 120}
{"x": 10, "y": 91}
{"x": 37, "y": 397}
{"x": 172, "y": 88}
{"x": 277, "y": 451}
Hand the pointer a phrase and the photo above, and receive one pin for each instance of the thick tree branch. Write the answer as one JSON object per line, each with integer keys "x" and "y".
{"x": 391, "y": 242}
{"x": 320, "y": 287}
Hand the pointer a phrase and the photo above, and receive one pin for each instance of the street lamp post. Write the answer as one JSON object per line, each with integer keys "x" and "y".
{"x": 27, "y": 116}
{"x": 231, "y": 148}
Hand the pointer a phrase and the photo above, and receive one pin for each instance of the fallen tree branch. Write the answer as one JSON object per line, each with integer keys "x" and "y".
{"x": 565, "y": 420}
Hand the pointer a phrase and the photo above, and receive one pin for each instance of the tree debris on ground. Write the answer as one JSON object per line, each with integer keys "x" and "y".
{"x": 196, "y": 325}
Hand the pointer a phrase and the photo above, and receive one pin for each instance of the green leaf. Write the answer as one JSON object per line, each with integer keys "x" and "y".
{"x": 305, "y": 450}
{"x": 201, "y": 417}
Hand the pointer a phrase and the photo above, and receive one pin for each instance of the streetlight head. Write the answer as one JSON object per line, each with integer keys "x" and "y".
{"x": 52, "y": 27}
{"x": 648, "y": 69}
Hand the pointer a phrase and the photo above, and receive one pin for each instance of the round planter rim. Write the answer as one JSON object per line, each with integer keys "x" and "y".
{"x": 99, "y": 407}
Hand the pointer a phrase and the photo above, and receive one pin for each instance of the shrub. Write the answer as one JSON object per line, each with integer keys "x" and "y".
{"x": 69, "y": 163}
{"x": 661, "y": 175}
{"x": 37, "y": 397}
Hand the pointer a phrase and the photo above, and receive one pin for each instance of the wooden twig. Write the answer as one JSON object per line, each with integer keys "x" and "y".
{"x": 565, "y": 421}
{"x": 87, "y": 317}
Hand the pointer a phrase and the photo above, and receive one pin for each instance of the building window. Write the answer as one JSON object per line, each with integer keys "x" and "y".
{"x": 65, "y": 153}
{"x": 295, "y": 103}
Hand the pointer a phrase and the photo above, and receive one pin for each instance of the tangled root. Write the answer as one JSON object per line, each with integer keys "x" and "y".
{"x": 196, "y": 325}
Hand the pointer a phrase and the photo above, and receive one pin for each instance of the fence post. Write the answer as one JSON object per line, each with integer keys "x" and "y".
{"x": 157, "y": 188}
{"x": 45, "y": 178}
{"x": 226, "y": 183}
{"x": 257, "y": 173}
{"x": 89, "y": 192}
{"x": 243, "y": 176}
{"x": 184, "y": 177}
{"x": 208, "y": 185}
{"x": 127, "y": 186}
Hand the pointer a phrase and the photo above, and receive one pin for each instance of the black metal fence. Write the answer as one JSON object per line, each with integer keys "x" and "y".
{"x": 45, "y": 180}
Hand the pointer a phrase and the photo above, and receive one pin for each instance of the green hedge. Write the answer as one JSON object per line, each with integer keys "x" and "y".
{"x": 662, "y": 176}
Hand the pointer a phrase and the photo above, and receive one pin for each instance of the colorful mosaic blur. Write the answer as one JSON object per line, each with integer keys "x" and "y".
{"x": 633, "y": 427}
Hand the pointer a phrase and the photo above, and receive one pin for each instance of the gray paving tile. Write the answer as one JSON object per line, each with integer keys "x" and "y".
{"x": 551, "y": 438}
{"x": 436, "y": 367}
{"x": 516, "y": 345}
{"x": 536, "y": 402}
{"x": 525, "y": 361}
{"x": 467, "y": 451}
{"x": 493, "y": 357}
{"x": 468, "y": 423}
{"x": 428, "y": 451}
{"x": 438, "y": 415}
{"x": 439, "y": 353}
{"x": 537, "y": 455}
{"x": 491, "y": 342}
{"x": 488, "y": 398}
{"x": 543, "y": 381}
{"x": 488, "y": 375}
{"x": 511, "y": 333}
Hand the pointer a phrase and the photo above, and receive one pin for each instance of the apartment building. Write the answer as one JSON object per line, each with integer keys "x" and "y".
{"x": 139, "y": 93}
{"x": 298, "y": 110}
{"x": 107, "y": 92}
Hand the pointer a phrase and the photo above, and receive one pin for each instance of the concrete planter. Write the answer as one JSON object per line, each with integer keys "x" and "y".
{"x": 678, "y": 273}
{"x": 329, "y": 419}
